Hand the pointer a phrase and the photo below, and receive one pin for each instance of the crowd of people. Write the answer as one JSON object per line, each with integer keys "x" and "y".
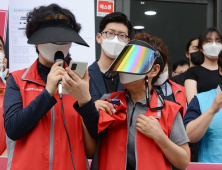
{"x": 125, "y": 113}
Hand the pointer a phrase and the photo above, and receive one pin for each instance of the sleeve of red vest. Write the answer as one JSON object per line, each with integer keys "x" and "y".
{"x": 90, "y": 117}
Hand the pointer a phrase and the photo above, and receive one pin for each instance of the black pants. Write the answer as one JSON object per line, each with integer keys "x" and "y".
{"x": 194, "y": 152}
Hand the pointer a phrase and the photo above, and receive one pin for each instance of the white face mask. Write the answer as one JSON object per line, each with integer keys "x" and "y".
{"x": 112, "y": 47}
{"x": 128, "y": 78}
{"x": 161, "y": 80}
{"x": 1, "y": 60}
{"x": 48, "y": 50}
{"x": 212, "y": 50}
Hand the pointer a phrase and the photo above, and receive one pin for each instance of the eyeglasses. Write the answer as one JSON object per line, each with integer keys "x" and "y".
{"x": 111, "y": 35}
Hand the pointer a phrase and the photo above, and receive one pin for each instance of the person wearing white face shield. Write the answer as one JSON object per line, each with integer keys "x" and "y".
{"x": 138, "y": 120}
{"x": 41, "y": 133}
{"x": 114, "y": 33}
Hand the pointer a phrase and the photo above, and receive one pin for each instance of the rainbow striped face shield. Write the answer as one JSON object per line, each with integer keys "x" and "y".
{"x": 137, "y": 57}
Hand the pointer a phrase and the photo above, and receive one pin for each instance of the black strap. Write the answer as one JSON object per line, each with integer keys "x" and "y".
{"x": 158, "y": 95}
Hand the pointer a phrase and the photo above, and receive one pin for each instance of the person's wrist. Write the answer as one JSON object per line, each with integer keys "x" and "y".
{"x": 50, "y": 92}
{"x": 212, "y": 110}
{"x": 84, "y": 100}
{"x": 160, "y": 136}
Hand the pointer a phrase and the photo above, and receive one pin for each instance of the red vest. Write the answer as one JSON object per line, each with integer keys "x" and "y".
{"x": 32, "y": 151}
{"x": 2, "y": 84}
{"x": 113, "y": 146}
{"x": 179, "y": 93}
{"x": 2, "y": 129}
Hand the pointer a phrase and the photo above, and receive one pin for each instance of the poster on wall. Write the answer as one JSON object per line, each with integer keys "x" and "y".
{"x": 104, "y": 7}
{"x": 3, "y": 17}
{"x": 22, "y": 55}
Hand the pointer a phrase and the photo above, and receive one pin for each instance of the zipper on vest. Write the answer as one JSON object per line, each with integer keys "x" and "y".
{"x": 131, "y": 119}
{"x": 51, "y": 138}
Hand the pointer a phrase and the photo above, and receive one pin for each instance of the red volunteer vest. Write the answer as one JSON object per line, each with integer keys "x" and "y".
{"x": 179, "y": 93}
{"x": 32, "y": 151}
{"x": 2, "y": 85}
{"x": 2, "y": 129}
{"x": 113, "y": 146}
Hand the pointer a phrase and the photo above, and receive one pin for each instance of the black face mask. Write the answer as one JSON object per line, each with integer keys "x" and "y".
{"x": 197, "y": 58}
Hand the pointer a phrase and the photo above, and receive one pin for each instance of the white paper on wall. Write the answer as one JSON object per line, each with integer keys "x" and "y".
{"x": 22, "y": 55}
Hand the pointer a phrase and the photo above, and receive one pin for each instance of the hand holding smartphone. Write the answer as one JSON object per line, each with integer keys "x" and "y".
{"x": 78, "y": 68}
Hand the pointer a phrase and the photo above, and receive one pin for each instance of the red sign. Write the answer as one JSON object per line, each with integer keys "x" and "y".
{"x": 3, "y": 21}
{"x": 204, "y": 166}
{"x": 104, "y": 7}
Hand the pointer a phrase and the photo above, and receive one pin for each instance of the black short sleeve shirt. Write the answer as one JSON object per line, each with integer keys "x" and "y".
{"x": 206, "y": 79}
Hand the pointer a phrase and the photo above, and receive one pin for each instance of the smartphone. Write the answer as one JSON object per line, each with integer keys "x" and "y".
{"x": 78, "y": 67}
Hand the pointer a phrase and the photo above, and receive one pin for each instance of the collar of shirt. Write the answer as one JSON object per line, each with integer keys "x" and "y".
{"x": 167, "y": 89}
{"x": 43, "y": 71}
{"x": 43, "y": 68}
{"x": 143, "y": 102}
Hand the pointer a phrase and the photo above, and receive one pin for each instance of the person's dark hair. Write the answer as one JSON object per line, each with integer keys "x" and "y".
{"x": 203, "y": 35}
{"x": 118, "y": 17}
{"x": 189, "y": 43}
{"x": 136, "y": 31}
{"x": 52, "y": 11}
{"x": 219, "y": 61}
{"x": 159, "y": 45}
{"x": 180, "y": 63}
{"x": 1, "y": 39}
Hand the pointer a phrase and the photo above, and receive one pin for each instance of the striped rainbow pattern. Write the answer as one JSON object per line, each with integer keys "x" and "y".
{"x": 135, "y": 59}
